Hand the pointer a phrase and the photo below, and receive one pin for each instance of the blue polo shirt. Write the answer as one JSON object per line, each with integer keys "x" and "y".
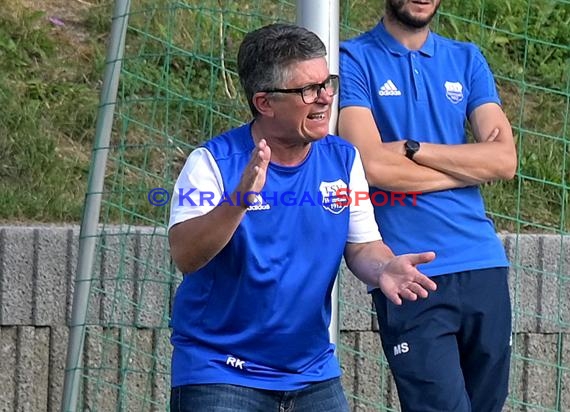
{"x": 426, "y": 95}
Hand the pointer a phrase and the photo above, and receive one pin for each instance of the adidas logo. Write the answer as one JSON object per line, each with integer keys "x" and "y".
{"x": 389, "y": 89}
{"x": 259, "y": 204}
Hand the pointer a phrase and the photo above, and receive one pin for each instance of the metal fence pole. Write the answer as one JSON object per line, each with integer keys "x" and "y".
{"x": 90, "y": 220}
{"x": 322, "y": 18}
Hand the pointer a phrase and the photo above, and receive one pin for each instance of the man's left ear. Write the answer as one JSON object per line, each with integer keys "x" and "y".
{"x": 262, "y": 102}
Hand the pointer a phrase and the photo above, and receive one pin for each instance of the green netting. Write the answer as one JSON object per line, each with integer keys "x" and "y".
{"x": 178, "y": 87}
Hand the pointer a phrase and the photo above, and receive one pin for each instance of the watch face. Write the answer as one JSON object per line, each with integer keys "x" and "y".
{"x": 412, "y": 145}
{"x": 411, "y": 148}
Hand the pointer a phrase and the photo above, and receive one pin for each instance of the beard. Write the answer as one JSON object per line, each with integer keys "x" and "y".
{"x": 396, "y": 9}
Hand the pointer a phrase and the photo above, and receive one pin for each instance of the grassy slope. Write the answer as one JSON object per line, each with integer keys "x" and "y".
{"x": 49, "y": 95}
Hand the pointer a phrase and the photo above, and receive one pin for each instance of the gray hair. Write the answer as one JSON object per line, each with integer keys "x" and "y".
{"x": 266, "y": 54}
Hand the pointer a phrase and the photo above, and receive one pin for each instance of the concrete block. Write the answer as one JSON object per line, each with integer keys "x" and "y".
{"x": 94, "y": 279}
{"x": 161, "y": 369}
{"x": 154, "y": 281}
{"x": 374, "y": 384}
{"x": 517, "y": 378}
{"x": 355, "y": 304}
{"x": 16, "y": 275}
{"x": 369, "y": 368}
{"x": 51, "y": 289}
{"x": 119, "y": 253}
{"x": 346, "y": 351}
{"x": 31, "y": 371}
{"x": 8, "y": 362}
{"x": 136, "y": 362}
{"x": 535, "y": 371}
{"x": 554, "y": 291}
{"x": 540, "y": 286}
{"x": 525, "y": 281}
{"x": 71, "y": 264}
{"x": 101, "y": 383}
{"x": 59, "y": 336}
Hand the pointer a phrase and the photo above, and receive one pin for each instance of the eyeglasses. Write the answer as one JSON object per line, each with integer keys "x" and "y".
{"x": 311, "y": 93}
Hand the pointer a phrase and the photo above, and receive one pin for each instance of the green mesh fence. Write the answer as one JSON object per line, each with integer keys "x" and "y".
{"x": 178, "y": 87}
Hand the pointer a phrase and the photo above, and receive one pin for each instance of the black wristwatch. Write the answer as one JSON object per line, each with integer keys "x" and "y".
{"x": 412, "y": 148}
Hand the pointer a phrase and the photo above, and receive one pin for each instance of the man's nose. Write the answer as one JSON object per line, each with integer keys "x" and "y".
{"x": 324, "y": 97}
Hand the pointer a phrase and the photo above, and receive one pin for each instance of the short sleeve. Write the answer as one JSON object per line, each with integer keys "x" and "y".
{"x": 483, "y": 89}
{"x": 362, "y": 227}
{"x": 353, "y": 83}
{"x": 198, "y": 189}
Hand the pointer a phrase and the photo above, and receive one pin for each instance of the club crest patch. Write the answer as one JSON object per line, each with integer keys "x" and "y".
{"x": 454, "y": 91}
{"x": 331, "y": 200}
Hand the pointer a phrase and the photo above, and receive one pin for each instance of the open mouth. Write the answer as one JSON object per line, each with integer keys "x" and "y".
{"x": 317, "y": 116}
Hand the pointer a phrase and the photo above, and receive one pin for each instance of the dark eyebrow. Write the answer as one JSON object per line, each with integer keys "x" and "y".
{"x": 300, "y": 89}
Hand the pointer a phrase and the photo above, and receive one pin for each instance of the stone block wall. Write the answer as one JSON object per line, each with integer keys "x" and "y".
{"x": 127, "y": 350}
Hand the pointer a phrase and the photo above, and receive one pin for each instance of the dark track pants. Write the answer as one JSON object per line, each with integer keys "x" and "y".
{"x": 451, "y": 351}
